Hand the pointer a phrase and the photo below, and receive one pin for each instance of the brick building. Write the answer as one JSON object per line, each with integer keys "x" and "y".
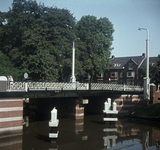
{"x": 124, "y": 70}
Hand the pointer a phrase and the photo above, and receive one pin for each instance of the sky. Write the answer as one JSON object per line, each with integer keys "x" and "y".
{"x": 126, "y": 16}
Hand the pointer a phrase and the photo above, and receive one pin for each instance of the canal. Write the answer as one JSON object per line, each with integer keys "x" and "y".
{"x": 90, "y": 133}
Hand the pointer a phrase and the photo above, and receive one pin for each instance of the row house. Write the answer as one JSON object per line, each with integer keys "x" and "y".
{"x": 124, "y": 70}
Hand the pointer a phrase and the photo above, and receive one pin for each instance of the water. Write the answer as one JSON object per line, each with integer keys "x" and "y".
{"x": 88, "y": 134}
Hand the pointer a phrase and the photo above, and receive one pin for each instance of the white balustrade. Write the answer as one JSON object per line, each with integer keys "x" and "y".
{"x": 53, "y": 86}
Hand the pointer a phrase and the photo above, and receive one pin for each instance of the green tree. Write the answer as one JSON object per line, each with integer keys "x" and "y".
{"x": 95, "y": 46}
{"x": 154, "y": 72}
{"x": 37, "y": 39}
{"x": 7, "y": 68}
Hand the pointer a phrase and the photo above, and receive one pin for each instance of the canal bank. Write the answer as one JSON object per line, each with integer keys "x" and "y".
{"x": 149, "y": 112}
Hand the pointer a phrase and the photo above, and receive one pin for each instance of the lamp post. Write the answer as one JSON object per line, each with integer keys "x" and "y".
{"x": 73, "y": 79}
{"x": 146, "y": 79}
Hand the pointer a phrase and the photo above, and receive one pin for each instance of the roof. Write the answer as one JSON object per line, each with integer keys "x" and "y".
{"x": 120, "y": 62}
{"x": 152, "y": 61}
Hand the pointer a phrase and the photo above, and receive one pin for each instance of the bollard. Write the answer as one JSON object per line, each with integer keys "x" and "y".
{"x": 110, "y": 115}
{"x": 109, "y": 103}
{"x": 106, "y": 106}
{"x": 53, "y": 124}
{"x": 114, "y": 106}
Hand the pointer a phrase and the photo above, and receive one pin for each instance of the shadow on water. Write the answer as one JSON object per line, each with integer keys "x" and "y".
{"x": 146, "y": 122}
{"x": 44, "y": 138}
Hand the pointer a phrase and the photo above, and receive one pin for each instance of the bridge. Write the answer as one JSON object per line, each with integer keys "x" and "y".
{"x": 60, "y": 86}
{"x": 14, "y": 94}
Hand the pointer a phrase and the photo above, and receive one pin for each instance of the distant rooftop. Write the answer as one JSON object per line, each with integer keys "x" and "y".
{"x": 152, "y": 61}
{"x": 119, "y": 62}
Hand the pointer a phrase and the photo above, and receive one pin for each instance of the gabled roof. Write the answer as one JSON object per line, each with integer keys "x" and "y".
{"x": 120, "y": 62}
{"x": 152, "y": 61}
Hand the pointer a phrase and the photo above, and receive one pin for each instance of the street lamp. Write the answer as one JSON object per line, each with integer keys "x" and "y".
{"x": 146, "y": 79}
{"x": 73, "y": 79}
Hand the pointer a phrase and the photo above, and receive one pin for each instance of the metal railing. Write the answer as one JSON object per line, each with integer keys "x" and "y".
{"x": 60, "y": 86}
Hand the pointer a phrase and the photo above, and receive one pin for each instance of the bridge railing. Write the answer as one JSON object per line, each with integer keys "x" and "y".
{"x": 60, "y": 86}
{"x": 16, "y": 86}
{"x": 116, "y": 87}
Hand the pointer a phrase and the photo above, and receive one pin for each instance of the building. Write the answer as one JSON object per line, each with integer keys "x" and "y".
{"x": 124, "y": 70}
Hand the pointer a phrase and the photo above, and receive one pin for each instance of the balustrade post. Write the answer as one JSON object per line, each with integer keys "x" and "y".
{"x": 26, "y": 87}
{"x": 124, "y": 87}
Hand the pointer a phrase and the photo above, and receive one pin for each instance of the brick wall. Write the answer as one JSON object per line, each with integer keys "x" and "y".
{"x": 11, "y": 115}
{"x": 126, "y": 103}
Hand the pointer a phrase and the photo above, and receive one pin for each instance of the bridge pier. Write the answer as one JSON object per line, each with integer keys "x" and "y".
{"x": 11, "y": 116}
{"x": 76, "y": 109}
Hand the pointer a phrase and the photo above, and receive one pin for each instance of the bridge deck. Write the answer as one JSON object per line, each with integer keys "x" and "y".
{"x": 55, "y": 86}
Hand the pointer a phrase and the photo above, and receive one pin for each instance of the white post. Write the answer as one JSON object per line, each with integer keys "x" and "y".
{"x": 73, "y": 79}
{"x": 146, "y": 79}
{"x": 53, "y": 124}
{"x": 53, "y": 115}
{"x": 73, "y": 64}
{"x": 147, "y": 68}
{"x": 114, "y": 106}
{"x": 109, "y": 104}
{"x": 26, "y": 87}
{"x": 106, "y": 106}
{"x": 54, "y": 121}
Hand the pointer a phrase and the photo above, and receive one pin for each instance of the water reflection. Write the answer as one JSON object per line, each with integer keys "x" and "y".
{"x": 88, "y": 133}
{"x": 11, "y": 143}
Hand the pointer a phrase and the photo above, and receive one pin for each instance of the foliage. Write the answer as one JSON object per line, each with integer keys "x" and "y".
{"x": 154, "y": 72}
{"x": 38, "y": 40}
{"x": 95, "y": 45}
{"x": 7, "y": 68}
{"x": 151, "y": 111}
{"x": 37, "y": 37}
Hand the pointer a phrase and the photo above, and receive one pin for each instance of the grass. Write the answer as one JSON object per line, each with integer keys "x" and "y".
{"x": 148, "y": 112}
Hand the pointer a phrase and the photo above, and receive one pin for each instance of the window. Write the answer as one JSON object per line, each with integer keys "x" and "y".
{"x": 130, "y": 66}
{"x": 100, "y": 75}
{"x": 121, "y": 75}
{"x": 130, "y": 82}
{"x": 152, "y": 64}
{"x": 114, "y": 74}
{"x": 117, "y": 65}
{"x": 130, "y": 74}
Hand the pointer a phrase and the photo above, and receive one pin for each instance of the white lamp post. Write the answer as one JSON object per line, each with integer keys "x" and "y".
{"x": 146, "y": 79}
{"x": 73, "y": 79}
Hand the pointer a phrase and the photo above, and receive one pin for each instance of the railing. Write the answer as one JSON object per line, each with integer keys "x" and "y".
{"x": 116, "y": 87}
{"x": 60, "y": 86}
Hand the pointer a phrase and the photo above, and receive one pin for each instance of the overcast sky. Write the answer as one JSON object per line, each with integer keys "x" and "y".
{"x": 126, "y": 16}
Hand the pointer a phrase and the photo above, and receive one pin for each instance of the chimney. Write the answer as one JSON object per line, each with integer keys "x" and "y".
{"x": 143, "y": 55}
{"x": 113, "y": 56}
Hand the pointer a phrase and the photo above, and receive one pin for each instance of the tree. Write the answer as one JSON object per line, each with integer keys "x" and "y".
{"x": 7, "y": 68}
{"x": 95, "y": 46}
{"x": 37, "y": 39}
{"x": 154, "y": 72}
